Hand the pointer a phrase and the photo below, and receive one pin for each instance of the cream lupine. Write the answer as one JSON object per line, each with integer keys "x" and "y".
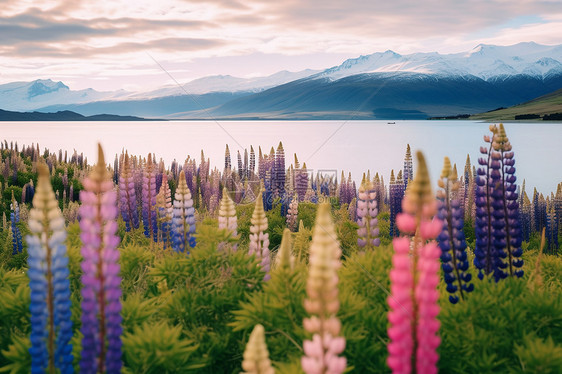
{"x": 256, "y": 357}
{"x": 322, "y": 303}
{"x": 285, "y": 259}
{"x": 414, "y": 278}
{"x": 259, "y": 238}
{"x": 227, "y": 214}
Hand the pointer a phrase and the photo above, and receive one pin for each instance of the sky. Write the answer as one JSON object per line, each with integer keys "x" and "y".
{"x": 125, "y": 44}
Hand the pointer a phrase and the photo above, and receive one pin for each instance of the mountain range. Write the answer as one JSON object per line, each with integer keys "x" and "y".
{"x": 382, "y": 85}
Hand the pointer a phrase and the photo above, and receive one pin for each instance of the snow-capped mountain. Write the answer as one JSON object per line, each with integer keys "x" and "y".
{"x": 227, "y": 83}
{"x": 484, "y": 61}
{"x": 379, "y": 85}
{"x": 22, "y": 96}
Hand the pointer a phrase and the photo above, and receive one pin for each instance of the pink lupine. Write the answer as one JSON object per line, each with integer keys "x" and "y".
{"x": 414, "y": 278}
{"x": 322, "y": 303}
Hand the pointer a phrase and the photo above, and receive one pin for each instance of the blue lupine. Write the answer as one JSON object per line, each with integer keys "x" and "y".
{"x": 51, "y": 325}
{"x": 451, "y": 240}
{"x": 17, "y": 246}
{"x": 183, "y": 218}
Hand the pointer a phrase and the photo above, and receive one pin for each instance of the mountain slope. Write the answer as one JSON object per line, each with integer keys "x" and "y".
{"x": 544, "y": 105}
{"x": 384, "y": 96}
{"x": 151, "y": 108}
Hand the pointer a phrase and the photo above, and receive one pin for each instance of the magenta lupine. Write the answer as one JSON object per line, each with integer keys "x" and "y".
{"x": 101, "y": 292}
{"x": 414, "y": 278}
{"x": 322, "y": 303}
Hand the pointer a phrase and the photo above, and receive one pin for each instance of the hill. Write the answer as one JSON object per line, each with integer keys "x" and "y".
{"x": 65, "y": 115}
{"x": 547, "y": 105}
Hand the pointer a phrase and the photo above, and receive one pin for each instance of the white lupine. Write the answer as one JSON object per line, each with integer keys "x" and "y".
{"x": 259, "y": 238}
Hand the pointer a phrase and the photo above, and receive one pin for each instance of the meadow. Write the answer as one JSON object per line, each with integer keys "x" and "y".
{"x": 262, "y": 267}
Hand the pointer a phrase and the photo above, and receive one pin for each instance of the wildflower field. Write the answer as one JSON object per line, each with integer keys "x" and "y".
{"x": 143, "y": 267}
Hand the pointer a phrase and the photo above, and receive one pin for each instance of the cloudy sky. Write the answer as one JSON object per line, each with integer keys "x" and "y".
{"x": 109, "y": 45}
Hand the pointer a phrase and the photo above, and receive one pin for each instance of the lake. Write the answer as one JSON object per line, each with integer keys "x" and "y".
{"x": 328, "y": 146}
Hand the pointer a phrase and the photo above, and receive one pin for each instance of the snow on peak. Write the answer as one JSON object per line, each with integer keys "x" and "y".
{"x": 484, "y": 61}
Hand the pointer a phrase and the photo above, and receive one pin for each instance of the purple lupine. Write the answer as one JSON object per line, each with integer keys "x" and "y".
{"x": 551, "y": 231}
{"x": 279, "y": 172}
{"x": 164, "y": 212}
{"x": 101, "y": 342}
{"x": 301, "y": 180}
{"x": 498, "y": 230}
{"x": 396, "y": 194}
{"x": 240, "y": 166}
{"x": 368, "y": 231}
{"x": 252, "y": 165}
{"x": 408, "y": 167}
{"x": 149, "y": 200}
{"x": 451, "y": 240}
{"x": 227, "y": 162}
{"x": 127, "y": 196}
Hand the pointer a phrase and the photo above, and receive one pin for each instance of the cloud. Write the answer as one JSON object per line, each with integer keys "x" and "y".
{"x": 186, "y": 32}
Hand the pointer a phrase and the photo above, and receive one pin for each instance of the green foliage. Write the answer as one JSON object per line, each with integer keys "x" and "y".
{"x": 17, "y": 356}
{"x": 384, "y": 228}
{"x": 538, "y": 355}
{"x": 307, "y": 214}
{"x": 157, "y": 348}
{"x": 279, "y": 308}
{"x": 276, "y": 224}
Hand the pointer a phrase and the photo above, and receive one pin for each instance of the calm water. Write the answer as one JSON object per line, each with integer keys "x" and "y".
{"x": 329, "y": 146}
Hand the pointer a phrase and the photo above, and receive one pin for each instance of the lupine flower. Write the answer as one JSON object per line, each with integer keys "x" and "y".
{"x": 498, "y": 230}
{"x": 414, "y": 278}
{"x": 259, "y": 238}
{"x": 551, "y": 232}
{"x": 292, "y": 213}
{"x": 452, "y": 242}
{"x": 408, "y": 167}
{"x": 256, "y": 357}
{"x": 101, "y": 342}
{"x": 285, "y": 259}
{"x": 149, "y": 200}
{"x": 526, "y": 217}
{"x": 301, "y": 180}
{"x": 396, "y": 194}
{"x": 17, "y": 246}
{"x": 164, "y": 212}
{"x": 51, "y": 325}
{"x": 183, "y": 219}
{"x": 368, "y": 231}
{"x": 227, "y": 215}
{"x": 322, "y": 303}
{"x": 279, "y": 172}
{"x": 127, "y": 196}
